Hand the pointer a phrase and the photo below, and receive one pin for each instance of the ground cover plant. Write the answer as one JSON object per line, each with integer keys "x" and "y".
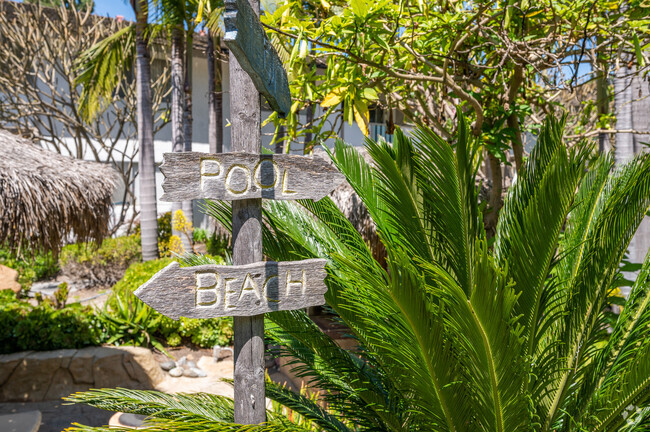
{"x": 458, "y": 332}
{"x": 31, "y": 266}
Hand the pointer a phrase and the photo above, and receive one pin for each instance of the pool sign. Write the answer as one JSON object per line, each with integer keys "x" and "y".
{"x": 211, "y": 291}
{"x": 236, "y": 176}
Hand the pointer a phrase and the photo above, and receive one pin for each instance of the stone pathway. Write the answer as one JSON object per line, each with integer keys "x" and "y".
{"x": 56, "y": 416}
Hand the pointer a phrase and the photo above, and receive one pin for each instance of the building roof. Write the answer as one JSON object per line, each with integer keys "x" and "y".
{"x": 46, "y": 197}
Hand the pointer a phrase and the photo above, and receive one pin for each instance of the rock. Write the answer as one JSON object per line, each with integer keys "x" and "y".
{"x": 176, "y": 372}
{"x": 81, "y": 366}
{"x": 168, "y": 365}
{"x": 194, "y": 373}
{"x": 182, "y": 362}
{"x": 131, "y": 421}
{"x": 108, "y": 368}
{"x": 8, "y": 363}
{"x": 62, "y": 384}
{"x": 28, "y": 421}
{"x": 189, "y": 365}
{"x": 9, "y": 279}
{"x": 33, "y": 376}
{"x": 200, "y": 372}
{"x": 141, "y": 366}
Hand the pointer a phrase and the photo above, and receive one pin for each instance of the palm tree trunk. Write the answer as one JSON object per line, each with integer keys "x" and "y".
{"x": 215, "y": 97}
{"x": 623, "y": 103}
{"x": 602, "y": 100}
{"x": 632, "y": 105}
{"x": 187, "y": 205}
{"x": 178, "y": 110}
{"x": 147, "y": 168}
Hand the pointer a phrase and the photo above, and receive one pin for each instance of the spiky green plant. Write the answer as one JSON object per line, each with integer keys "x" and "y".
{"x": 456, "y": 335}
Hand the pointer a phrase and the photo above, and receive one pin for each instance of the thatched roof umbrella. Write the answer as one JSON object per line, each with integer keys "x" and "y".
{"x": 45, "y": 196}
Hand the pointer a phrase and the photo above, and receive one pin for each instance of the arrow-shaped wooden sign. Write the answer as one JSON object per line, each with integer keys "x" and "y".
{"x": 247, "y": 40}
{"x": 210, "y": 291}
{"x": 236, "y": 176}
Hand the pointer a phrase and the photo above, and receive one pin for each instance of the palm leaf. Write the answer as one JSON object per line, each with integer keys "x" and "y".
{"x": 101, "y": 68}
{"x": 627, "y": 201}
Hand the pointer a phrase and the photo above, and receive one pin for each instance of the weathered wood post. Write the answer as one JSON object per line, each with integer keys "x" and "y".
{"x": 250, "y": 287}
{"x": 250, "y": 396}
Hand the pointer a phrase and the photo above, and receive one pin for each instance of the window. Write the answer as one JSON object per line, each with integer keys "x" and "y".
{"x": 377, "y": 125}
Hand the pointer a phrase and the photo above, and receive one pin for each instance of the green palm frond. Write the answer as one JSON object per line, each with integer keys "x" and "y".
{"x": 627, "y": 199}
{"x": 449, "y": 199}
{"x": 181, "y": 407}
{"x": 622, "y": 369}
{"x": 531, "y": 221}
{"x": 101, "y": 68}
{"x": 305, "y": 406}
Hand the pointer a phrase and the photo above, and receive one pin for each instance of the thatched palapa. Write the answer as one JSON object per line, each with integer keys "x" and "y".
{"x": 45, "y": 197}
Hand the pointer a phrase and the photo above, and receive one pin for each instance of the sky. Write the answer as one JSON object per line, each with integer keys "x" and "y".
{"x": 113, "y": 8}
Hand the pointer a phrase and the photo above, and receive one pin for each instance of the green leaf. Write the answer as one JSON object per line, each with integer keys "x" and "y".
{"x": 637, "y": 49}
{"x": 359, "y": 7}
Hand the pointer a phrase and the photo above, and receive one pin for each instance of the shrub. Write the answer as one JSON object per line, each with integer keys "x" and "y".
{"x": 103, "y": 265}
{"x": 30, "y": 267}
{"x": 200, "y": 235}
{"x": 43, "y": 327}
{"x": 164, "y": 233}
{"x": 218, "y": 245}
{"x": 129, "y": 321}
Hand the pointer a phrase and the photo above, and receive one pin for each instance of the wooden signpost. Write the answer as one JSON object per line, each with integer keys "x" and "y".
{"x": 247, "y": 40}
{"x": 250, "y": 287}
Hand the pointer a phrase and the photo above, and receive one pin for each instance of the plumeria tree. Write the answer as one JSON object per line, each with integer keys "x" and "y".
{"x": 506, "y": 64}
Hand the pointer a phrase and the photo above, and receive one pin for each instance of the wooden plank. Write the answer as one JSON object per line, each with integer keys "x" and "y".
{"x": 210, "y": 291}
{"x": 236, "y": 176}
{"x": 246, "y": 39}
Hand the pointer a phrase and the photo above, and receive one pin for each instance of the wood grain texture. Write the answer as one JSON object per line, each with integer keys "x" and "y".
{"x": 250, "y": 393}
{"x": 236, "y": 176}
{"x": 246, "y": 39}
{"x": 211, "y": 291}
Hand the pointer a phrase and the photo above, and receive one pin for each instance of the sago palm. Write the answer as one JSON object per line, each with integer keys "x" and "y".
{"x": 457, "y": 332}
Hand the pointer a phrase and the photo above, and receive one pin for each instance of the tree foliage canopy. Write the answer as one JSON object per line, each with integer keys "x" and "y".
{"x": 502, "y": 62}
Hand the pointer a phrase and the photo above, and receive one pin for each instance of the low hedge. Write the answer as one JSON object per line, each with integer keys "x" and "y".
{"x": 43, "y": 327}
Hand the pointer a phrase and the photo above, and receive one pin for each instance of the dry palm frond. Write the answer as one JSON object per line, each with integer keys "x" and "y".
{"x": 45, "y": 196}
